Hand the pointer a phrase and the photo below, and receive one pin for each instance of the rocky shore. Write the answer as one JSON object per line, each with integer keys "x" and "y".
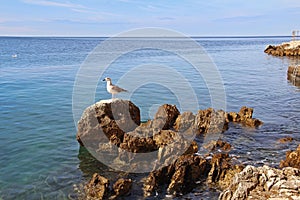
{"x": 291, "y": 48}
{"x": 113, "y": 131}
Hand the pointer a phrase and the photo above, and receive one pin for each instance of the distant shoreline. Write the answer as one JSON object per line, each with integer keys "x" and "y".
{"x": 196, "y": 37}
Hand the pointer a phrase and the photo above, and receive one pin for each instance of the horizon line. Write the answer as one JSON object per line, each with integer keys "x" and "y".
{"x": 191, "y": 36}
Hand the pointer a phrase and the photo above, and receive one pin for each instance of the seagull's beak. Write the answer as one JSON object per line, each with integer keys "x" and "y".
{"x": 103, "y": 80}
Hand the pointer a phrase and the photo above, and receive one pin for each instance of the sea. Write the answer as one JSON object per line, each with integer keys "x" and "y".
{"x": 42, "y": 95}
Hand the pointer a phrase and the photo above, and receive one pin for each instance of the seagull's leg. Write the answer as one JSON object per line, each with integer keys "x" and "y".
{"x": 112, "y": 96}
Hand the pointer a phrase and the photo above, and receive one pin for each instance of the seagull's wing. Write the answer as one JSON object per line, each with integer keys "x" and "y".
{"x": 118, "y": 89}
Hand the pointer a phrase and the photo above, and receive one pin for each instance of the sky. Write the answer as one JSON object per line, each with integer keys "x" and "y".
{"x": 111, "y": 17}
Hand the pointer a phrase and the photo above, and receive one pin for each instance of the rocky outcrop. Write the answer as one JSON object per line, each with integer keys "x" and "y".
{"x": 293, "y": 75}
{"x": 112, "y": 129}
{"x": 165, "y": 117}
{"x": 222, "y": 170}
{"x": 292, "y": 159}
{"x": 107, "y": 121}
{"x": 117, "y": 122}
{"x": 211, "y": 121}
{"x": 285, "y": 49}
{"x": 244, "y": 116}
{"x": 264, "y": 183}
{"x": 181, "y": 176}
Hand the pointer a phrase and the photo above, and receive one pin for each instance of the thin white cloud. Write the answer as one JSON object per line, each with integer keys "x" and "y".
{"x": 73, "y": 7}
{"x": 54, "y": 3}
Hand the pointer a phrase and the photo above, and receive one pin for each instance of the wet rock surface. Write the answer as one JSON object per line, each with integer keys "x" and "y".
{"x": 292, "y": 159}
{"x": 264, "y": 183}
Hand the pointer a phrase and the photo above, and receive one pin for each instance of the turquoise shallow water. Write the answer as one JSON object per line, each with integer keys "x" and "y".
{"x": 39, "y": 155}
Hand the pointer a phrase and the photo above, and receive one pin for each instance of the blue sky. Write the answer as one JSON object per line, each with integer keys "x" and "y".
{"x": 110, "y": 17}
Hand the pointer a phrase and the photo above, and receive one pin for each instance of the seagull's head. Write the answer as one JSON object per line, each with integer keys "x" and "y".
{"x": 107, "y": 79}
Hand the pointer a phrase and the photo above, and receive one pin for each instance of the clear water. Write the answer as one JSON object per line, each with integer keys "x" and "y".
{"x": 39, "y": 155}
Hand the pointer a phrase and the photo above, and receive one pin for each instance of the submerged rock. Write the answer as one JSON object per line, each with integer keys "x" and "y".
{"x": 285, "y": 139}
{"x": 292, "y": 159}
{"x": 264, "y": 183}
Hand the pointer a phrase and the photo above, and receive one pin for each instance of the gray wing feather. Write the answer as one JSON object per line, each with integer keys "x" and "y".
{"x": 118, "y": 89}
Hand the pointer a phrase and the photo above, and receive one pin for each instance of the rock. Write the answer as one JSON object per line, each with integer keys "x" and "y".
{"x": 188, "y": 170}
{"x": 286, "y": 139}
{"x": 264, "y": 183}
{"x": 185, "y": 123}
{"x": 105, "y": 120}
{"x": 222, "y": 170}
{"x": 165, "y": 117}
{"x": 292, "y": 159}
{"x": 172, "y": 145}
{"x": 244, "y": 116}
{"x": 122, "y": 187}
{"x": 245, "y": 113}
{"x": 269, "y": 48}
{"x": 154, "y": 181}
{"x": 210, "y": 121}
{"x": 293, "y": 75}
{"x": 97, "y": 188}
{"x": 285, "y": 49}
{"x": 217, "y": 145}
{"x": 181, "y": 176}
{"x": 133, "y": 142}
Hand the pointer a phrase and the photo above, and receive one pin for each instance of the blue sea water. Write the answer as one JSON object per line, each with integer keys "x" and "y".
{"x": 39, "y": 155}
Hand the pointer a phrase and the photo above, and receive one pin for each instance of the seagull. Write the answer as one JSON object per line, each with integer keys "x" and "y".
{"x": 113, "y": 89}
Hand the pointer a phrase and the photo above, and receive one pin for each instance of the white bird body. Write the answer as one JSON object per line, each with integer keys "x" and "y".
{"x": 111, "y": 88}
